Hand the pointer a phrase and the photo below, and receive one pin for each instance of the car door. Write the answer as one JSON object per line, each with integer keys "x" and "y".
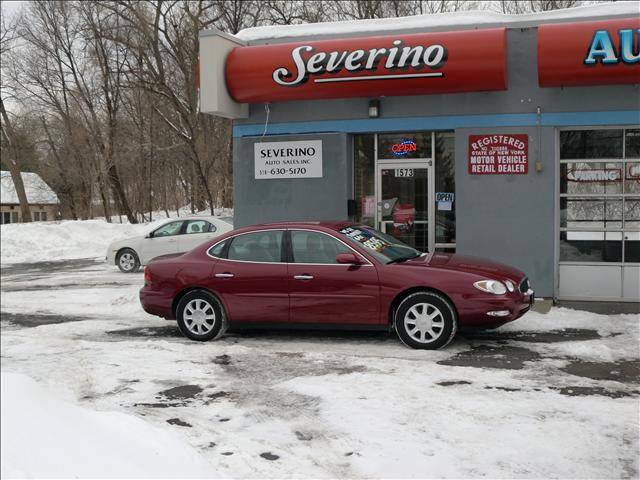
{"x": 161, "y": 241}
{"x": 195, "y": 233}
{"x": 251, "y": 277}
{"x": 325, "y": 292}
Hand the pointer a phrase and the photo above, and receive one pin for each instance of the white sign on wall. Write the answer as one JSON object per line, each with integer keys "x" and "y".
{"x": 301, "y": 159}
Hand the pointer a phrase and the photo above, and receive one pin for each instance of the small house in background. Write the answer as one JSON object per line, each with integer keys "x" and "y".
{"x": 43, "y": 201}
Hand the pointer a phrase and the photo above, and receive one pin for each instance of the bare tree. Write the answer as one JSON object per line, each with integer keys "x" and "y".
{"x": 9, "y": 139}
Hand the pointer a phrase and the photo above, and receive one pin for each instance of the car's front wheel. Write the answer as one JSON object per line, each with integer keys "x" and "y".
{"x": 425, "y": 320}
{"x": 200, "y": 315}
{"x": 127, "y": 261}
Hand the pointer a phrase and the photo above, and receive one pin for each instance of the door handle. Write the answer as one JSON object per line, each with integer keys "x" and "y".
{"x": 224, "y": 275}
{"x": 303, "y": 277}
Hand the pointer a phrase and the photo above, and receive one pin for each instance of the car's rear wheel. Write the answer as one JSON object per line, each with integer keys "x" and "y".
{"x": 127, "y": 261}
{"x": 425, "y": 320}
{"x": 200, "y": 315}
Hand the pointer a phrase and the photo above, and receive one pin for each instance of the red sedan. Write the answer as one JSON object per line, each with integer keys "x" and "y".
{"x": 331, "y": 274}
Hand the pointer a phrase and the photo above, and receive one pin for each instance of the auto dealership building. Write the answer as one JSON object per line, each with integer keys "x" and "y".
{"x": 515, "y": 138}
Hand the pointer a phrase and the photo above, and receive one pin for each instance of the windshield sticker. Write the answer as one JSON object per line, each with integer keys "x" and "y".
{"x": 365, "y": 238}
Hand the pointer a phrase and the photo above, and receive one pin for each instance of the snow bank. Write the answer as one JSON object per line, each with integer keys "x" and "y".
{"x": 50, "y": 241}
{"x": 47, "y": 241}
{"x": 43, "y": 436}
{"x": 449, "y": 20}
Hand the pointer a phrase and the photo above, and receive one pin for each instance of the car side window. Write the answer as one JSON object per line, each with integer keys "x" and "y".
{"x": 262, "y": 246}
{"x": 168, "y": 230}
{"x": 315, "y": 247}
{"x": 199, "y": 226}
{"x": 216, "y": 250}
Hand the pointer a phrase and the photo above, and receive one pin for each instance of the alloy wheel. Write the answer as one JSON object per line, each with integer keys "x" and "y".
{"x": 199, "y": 316}
{"x": 424, "y": 323}
{"x": 127, "y": 261}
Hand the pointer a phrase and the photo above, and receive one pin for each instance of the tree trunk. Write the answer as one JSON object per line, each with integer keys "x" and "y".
{"x": 106, "y": 208}
{"x": 14, "y": 165}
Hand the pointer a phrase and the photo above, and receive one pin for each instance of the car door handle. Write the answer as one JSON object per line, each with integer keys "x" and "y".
{"x": 303, "y": 277}
{"x": 224, "y": 275}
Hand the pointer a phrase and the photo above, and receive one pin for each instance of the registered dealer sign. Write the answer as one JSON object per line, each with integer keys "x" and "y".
{"x": 301, "y": 159}
{"x": 496, "y": 154}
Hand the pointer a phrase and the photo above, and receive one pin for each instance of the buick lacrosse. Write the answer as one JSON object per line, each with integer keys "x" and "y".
{"x": 331, "y": 275}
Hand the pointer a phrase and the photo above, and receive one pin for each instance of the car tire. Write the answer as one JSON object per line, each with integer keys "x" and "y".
{"x": 127, "y": 261}
{"x": 426, "y": 320}
{"x": 200, "y": 316}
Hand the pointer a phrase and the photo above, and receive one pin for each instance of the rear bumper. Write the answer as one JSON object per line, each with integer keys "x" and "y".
{"x": 156, "y": 303}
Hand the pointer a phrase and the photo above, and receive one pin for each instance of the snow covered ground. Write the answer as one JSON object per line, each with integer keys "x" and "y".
{"x": 553, "y": 396}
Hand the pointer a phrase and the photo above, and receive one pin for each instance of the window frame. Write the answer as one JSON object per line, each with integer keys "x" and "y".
{"x": 291, "y": 258}
{"x": 187, "y": 222}
{"x": 623, "y": 196}
{"x": 182, "y": 226}
{"x": 225, "y": 251}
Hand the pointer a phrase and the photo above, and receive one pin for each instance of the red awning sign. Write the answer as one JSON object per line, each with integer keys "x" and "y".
{"x": 416, "y": 64}
{"x": 589, "y": 53}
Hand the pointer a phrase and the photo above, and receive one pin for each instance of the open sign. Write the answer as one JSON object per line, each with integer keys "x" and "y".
{"x": 403, "y": 148}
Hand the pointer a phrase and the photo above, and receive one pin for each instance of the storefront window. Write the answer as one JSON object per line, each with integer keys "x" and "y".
{"x": 599, "y": 217}
{"x": 404, "y": 185}
{"x": 404, "y": 146}
{"x": 632, "y": 177}
{"x": 632, "y": 143}
{"x": 591, "y": 213}
{"x": 445, "y": 184}
{"x": 364, "y": 179}
{"x": 576, "y": 246}
{"x": 583, "y": 178}
{"x": 581, "y": 144}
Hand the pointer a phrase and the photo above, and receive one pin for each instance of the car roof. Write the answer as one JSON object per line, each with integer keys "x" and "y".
{"x": 331, "y": 224}
{"x": 191, "y": 217}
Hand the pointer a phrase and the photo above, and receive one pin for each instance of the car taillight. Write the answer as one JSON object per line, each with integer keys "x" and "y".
{"x": 147, "y": 276}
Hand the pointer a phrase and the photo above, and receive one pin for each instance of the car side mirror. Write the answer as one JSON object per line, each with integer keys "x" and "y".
{"x": 348, "y": 259}
{"x": 149, "y": 235}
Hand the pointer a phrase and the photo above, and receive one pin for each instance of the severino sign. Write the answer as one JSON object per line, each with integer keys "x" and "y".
{"x": 273, "y": 160}
{"x": 416, "y": 64}
{"x": 498, "y": 154}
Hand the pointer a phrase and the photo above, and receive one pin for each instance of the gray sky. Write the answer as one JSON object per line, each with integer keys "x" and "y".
{"x": 11, "y": 7}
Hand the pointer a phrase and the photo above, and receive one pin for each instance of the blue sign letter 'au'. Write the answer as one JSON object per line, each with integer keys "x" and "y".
{"x": 601, "y": 48}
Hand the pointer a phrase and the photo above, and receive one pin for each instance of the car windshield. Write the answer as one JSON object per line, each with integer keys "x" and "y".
{"x": 384, "y": 247}
{"x": 228, "y": 220}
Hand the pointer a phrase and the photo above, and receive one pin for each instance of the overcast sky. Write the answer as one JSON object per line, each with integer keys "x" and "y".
{"x": 11, "y": 7}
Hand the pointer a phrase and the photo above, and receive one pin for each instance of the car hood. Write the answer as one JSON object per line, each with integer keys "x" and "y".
{"x": 468, "y": 264}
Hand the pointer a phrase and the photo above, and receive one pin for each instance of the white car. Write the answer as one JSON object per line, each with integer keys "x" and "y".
{"x": 175, "y": 235}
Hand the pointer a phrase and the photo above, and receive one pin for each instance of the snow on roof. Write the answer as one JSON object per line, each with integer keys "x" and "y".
{"x": 439, "y": 22}
{"x": 36, "y": 189}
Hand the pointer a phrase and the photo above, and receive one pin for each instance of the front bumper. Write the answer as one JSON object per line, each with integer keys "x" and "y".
{"x": 487, "y": 310}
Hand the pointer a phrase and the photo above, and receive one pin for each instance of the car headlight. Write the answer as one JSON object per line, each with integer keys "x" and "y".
{"x": 510, "y": 286}
{"x": 491, "y": 286}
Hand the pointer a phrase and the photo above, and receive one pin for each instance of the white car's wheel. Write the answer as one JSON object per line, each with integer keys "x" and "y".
{"x": 127, "y": 261}
{"x": 425, "y": 320}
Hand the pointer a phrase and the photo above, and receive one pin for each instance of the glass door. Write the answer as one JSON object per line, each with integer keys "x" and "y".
{"x": 403, "y": 202}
